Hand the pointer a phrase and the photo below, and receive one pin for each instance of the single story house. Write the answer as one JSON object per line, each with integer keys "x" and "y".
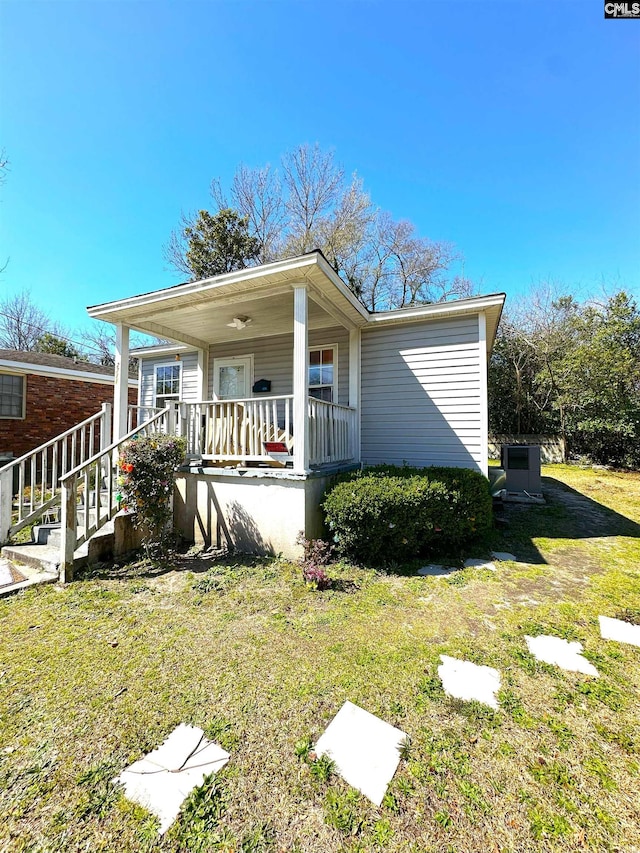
{"x": 279, "y": 377}
{"x": 43, "y": 395}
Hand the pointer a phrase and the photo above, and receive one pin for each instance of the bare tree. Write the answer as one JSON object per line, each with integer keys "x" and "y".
{"x": 406, "y": 269}
{"x": 99, "y": 342}
{"x": 257, "y": 194}
{"x": 314, "y": 205}
{"x": 22, "y": 323}
{"x": 313, "y": 183}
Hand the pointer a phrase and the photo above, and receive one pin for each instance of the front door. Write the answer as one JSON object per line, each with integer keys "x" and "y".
{"x": 232, "y": 377}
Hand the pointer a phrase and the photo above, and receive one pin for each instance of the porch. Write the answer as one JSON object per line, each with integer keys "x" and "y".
{"x": 261, "y": 368}
{"x": 259, "y": 432}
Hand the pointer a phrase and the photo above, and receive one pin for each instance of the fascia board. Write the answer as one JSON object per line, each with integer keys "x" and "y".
{"x": 248, "y": 274}
{"x": 21, "y": 367}
{"x": 438, "y": 309}
{"x": 167, "y": 349}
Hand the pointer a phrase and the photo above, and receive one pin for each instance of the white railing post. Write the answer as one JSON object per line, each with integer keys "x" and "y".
{"x": 300, "y": 380}
{"x": 182, "y": 422}
{"x": 105, "y": 426}
{"x": 170, "y": 421}
{"x": 6, "y": 504}
{"x": 69, "y": 528}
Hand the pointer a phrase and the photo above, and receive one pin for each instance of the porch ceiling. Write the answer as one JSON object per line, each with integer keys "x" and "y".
{"x": 198, "y": 313}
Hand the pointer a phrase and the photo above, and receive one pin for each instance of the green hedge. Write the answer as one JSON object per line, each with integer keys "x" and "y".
{"x": 389, "y": 513}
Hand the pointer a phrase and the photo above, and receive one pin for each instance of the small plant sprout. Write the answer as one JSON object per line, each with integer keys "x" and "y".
{"x": 323, "y": 768}
{"x": 405, "y": 749}
{"x": 302, "y": 748}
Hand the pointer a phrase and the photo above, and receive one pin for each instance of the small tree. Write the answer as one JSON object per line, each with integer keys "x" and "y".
{"x": 54, "y": 345}
{"x": 213, "y": 244}
{"x": 147, "y": 465}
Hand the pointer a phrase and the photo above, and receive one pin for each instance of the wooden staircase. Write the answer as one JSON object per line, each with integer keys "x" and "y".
{"x": 67, "y": 478}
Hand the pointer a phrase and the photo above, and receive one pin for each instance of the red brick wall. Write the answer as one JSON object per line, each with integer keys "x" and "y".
{"x": 53, "y": 406}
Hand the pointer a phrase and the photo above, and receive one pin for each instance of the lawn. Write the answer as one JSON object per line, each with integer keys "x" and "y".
{"x": 96, "y": 674}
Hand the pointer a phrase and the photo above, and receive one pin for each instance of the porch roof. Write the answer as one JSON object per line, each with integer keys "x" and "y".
{"x": 198, "y": 313}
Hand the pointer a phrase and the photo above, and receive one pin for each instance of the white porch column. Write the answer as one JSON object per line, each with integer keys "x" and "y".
{"x": 300, "y": 380}
{"x": 484, "y": 400}
{"x": 354, "y": 387}
{"x": 203, "y": 369}
{"x": 121, "y": 382}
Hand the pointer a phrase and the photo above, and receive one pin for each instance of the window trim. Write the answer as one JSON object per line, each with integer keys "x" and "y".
{"x": 22, "y": 376}
{"x": 334, "y": 386}
{"x": 177, "y": 364}
{"x": 228, "y": 360}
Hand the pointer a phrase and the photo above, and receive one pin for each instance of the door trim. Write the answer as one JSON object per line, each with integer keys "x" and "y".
{"x": 232, "y": 360}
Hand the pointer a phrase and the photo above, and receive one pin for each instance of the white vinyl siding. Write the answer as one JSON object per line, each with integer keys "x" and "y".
{"x": 273, "y": 359}
{"x": 189, "y": 378}
{"x": 421, "y": 394}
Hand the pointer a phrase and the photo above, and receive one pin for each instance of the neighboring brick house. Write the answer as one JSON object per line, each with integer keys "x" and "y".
{"x": 43, "y": 395}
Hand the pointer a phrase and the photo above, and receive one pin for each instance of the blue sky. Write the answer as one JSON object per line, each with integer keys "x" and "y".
{"x": 511, "y": 128}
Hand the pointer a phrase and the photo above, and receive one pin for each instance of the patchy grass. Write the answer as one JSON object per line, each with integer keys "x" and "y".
{"x": 96, "y": 674}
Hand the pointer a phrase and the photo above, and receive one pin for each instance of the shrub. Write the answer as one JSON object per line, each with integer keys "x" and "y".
{"x": 147, "y": 465}
{"x": 387, "y": 512}
{"x": 317, "y": 554}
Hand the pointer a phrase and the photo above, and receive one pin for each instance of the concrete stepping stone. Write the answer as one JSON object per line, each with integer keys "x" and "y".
{"x": 9, "y": 574}
{"x": 619, "y": 630}
{"x": 502, "y": 556}
{"x": 479, "y": 563}
{"x": 435, "y": 571}
{"x": 5, "y": 573}
{"x": 561, "y": 653}
{"x": 365, "y": 749}
{"x": 163, "y": 779}
{"x": 462, "y": 679}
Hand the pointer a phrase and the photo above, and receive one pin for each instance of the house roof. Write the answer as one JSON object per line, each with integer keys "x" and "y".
{"x": 48, "y": 364}
{"x": 198, "y": 313}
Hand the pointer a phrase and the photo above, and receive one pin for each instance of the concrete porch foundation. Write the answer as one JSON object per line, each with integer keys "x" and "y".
{"x": 253, "y": 511}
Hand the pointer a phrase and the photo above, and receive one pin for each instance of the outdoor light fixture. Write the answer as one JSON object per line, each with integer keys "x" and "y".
{"x": 239, "y": 322}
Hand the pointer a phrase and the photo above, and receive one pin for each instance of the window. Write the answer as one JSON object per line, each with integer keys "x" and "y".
{"x": 322, "y": 364}
{"x": 167, "y": 383}
{"x": 11, "y": 396}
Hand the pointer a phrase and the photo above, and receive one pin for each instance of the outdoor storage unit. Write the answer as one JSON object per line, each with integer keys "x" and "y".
{"x": 521, "y": 463}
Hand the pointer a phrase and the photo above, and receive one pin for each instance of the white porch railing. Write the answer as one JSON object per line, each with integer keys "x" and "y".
{"x": 89, "y": 492}
{"x": 137, "y": 415}
{"x": 238, "y": 429}
{"x": 332, "y": 431}
{"x": 37, "y": 474}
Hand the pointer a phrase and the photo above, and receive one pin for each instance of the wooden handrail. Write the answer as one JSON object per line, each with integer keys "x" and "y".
{"x": 113, "y": 446}
{"x": 52, "y": 441}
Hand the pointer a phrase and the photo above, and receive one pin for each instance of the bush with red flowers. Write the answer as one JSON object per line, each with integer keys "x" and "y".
{"x": 146, "y": 468}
